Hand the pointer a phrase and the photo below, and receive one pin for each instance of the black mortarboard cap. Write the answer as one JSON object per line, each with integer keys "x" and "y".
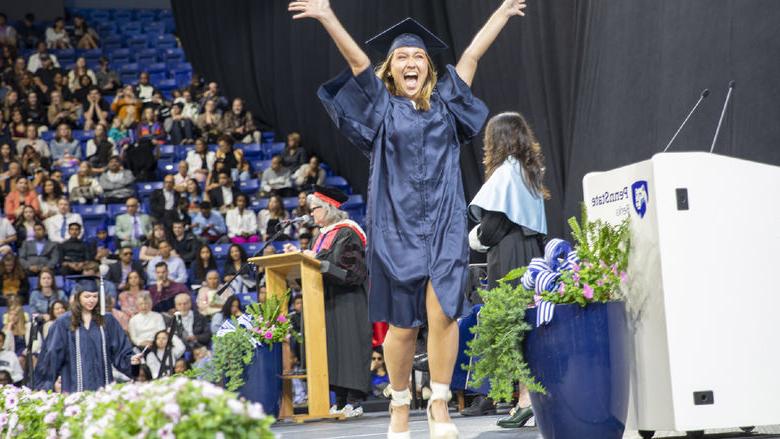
{"x": 330, "y": 195}
{"x": 407, "y": 33}
{"x": 85, "y": 283}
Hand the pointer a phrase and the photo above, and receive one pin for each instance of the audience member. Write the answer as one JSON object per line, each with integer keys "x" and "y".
{"x": 270, "y": 220}
{"x": 310, "y": 174}
{"x": 151, "y": 246}
{"x": 32, "y": 140}
{"x": 107, "y": 79}
{"x": 50, "y": 198}
{"x": 144, "y": 90}
{"x": 276, "y": 179}
{"x": 156, "y": 354}
{"x": 117, "y": 183}
{"x": 209, "y": 303}
{"x": 184, "y": 242}
{"x": 120, "y": 315}
{"x": 13, "y": 280}
{"x": 84, "y": 36}
{"x": 39, "y": 254}
{"x": 180, "y": 129}
{"x": 126, "y": 106}
{"x": 83, "y": 186}
{"x": 294, "y": 155}
{"x": 131, "y": 290}
{"x": 200, "y": 161}
{"x": 56, "y": 36}
{"x": 235, "y": 261}
{"x": 9, "y": 363}
{"x": 192, "y": 195}
{"x": 25, "y": 225}
{"x": 119, "y": 271}
{"x": 241, "y": 222}
{"x": 20, "y": 197}
{"x": 145, "y": 323}
{"x": 195, "y": 328}
{"x": 212, "y": 93}
{"x": 57, "y": 225}
{"x": 28, "y": 33}
{"x": 65, "y": 151}
{"x": 239, "y": 124}
{"x": 80, "y": 69}
{"x": 174, "y": 265}
{"x": 36, "y": 59}
{"x": 74, "y": 251}
{"x": 180, "y": 177}
{"x": 46, "y": 294}
{"x": 231, "y": 310}
{"x": 208, "y": 225}
{"x": 7, "y": 236}
{"x": 210, "y": 122}
{"x": 202, "y": 265}
{"x": 163, "y": 289}
{"x": 224, "y": 196}
{"x": 230, "y": 156}
{"x": 165, "y": 200}
{"x": 96, "y": 110}
{"x": 133, "y": 227}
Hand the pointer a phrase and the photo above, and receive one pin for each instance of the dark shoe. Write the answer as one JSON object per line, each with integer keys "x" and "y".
{"x": 481, "y": 406}
{"x": 517, "y": 418}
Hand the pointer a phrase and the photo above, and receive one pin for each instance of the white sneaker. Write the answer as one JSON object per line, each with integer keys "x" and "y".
{"x": 531, "y": 422}
{"x": 335, "y": 410}
{"x": 351, "y": 412}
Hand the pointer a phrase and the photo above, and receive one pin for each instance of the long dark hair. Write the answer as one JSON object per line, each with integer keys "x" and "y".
{"x": 199, "y": 270}
{"x": 508, "y": 135}
{"x": 75, "y": 312}
{"x": 226, "y": 314}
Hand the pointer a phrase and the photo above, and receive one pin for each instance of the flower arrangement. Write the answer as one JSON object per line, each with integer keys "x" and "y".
{"x": 262, "y": 324}
{"x": 594, "y": 271}
{"x": 159, "y": 409}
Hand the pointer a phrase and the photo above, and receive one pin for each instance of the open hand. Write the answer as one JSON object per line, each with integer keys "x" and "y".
{"x": 513, "y": 7}
{"x": 136, "y": 359}
{"x": 317, "y": 9}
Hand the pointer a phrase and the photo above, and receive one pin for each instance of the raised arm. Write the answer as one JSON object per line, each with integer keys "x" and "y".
{"x": 467, "y": 66}
{"x": 320, "y": 10}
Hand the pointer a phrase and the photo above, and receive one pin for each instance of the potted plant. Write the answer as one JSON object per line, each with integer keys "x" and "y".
{"x": 576, "y": 365}
{"x": 247, "y": 356}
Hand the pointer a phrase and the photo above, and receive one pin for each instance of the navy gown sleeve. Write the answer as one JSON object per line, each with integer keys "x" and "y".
{"x": 119, "y": 347}
{"x": 357, "y": 105}
{"x": 53, "y": 355}
{"x": 469, "y": 112}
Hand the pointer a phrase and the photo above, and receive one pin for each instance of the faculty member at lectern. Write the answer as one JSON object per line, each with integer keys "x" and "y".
{"x": 343, "y": 243}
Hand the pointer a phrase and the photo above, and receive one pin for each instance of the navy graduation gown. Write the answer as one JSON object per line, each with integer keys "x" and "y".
{"x": 58, "y": 356}
{"x": 416, "y": 217}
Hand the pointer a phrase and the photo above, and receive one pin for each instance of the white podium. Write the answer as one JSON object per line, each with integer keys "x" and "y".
{"x": 705, "y": 233}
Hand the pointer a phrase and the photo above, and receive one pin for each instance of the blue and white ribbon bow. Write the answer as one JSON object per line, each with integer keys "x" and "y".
{"x": 245, "y": 320}
{"x": 543, "y": 275}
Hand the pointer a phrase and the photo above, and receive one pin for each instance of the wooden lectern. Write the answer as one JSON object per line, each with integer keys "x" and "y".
{"x": 278, "y": 269}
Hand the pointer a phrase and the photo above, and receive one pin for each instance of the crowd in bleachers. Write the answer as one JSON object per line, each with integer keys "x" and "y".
{"x": 115, "y": 157}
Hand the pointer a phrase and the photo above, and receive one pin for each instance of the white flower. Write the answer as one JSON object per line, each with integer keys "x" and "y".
{"x": 235, "y": 406}
{"x": 72, "y": 398}
{"x": 219, "y": 435}
{"x": 171, "y": 410}
{"x": 51, "y": 433}
{"x": 3, "y": 419}
{"x": 166, "y": 432}
{"x": 72, "y": 410}
{"x": 255, "y": 411}
{"x": 50, "y": 418}
{"x": 11, "y": 401}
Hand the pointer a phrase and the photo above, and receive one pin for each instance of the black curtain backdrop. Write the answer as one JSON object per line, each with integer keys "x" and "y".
{"x": 604, "y": 83}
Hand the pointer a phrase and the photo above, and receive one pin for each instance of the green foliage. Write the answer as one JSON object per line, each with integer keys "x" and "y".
{"x": 603, "y": 253}
{"x": 233, "y": 350}
{"x": 158, "y": 409}
{"x": 498, "y": 339}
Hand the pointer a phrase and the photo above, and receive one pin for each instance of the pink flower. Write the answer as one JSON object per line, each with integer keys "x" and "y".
{"x": 587, "y": 291}
{"x": 269, "y": 335}
{"x": 561, "y": 288}
{"x": 281, "y": 319}
{"x": 614, "y": 269}
{"x": 600, "y": 282}
{"x": 623, "y": 276}
{"x": 575, "y": 268}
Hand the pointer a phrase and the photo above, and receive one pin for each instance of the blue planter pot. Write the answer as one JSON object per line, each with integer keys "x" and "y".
{"x": 262, "y": 382}
{"x": 581, "y": 359}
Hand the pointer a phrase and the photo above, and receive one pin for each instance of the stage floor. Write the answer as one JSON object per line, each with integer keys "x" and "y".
{"x": 374, "y": 425}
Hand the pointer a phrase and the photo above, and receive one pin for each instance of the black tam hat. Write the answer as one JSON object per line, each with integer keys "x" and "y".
{"x": 407, "y": 33}
{"x": 330, "y": 195}
{"x": 85, "y": 283}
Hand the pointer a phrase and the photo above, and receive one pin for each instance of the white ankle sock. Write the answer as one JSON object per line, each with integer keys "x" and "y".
{"x": 440, "y": 391}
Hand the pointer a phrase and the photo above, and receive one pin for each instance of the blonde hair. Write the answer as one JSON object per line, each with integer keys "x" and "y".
{"x": 423, "y": 100}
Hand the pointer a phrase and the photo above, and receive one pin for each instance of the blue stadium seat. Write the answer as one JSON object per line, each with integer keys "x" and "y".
{"x": 92, "y": 225}
{"x": 145, "y": 15}
{"x": 33, "y": 281}
{"x": 260, "y": 165}
{"x": 90, "y": 210}
{"x": 258, "y": 204}
{"x": 146, "y": 57}
{"x": 168, "y": 152}
{"x": 119, "y": 14}
{"x": 111, "y": 42}
{"x": 272, "y": 149}
{"x": 153, "y": 29}
{"x": 251, "y": 151}
{"x": 115, "y": 210}
{"x": 137, "y": 43}
{"x": 182, "y": 73}
{"x": 338, "y": 182}
{"x": 220, "y": 251}
{"x": 83, "y": 136}
{"x": 146, "y": 189}
{"x": 106, "y": 28}
{"x": 250, "y": 186}
{"x": 165, "y": 41}
{"x": 354, "y": 202}
{"x": 252, "y": 248}
{"x": 290, "y": 203}
{"x": 279, "y": 245}
{"x": 130, "y": 68}
{"x": 268, "y": 136}
{"x": 180, "y": 151}
{"x": 97, "y": 14}
{"x": 92, "y": 55}
{"x": 131, "y": 28}
{"x": 116, "y": 54}
{"x": 247, "y": 298}
{"x": 166, "y": 167}
{"x": 47, "y": 135}
{"x": 166, "y": 87}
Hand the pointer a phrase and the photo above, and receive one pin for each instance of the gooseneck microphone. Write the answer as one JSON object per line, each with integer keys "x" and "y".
{"x": 732, "y": 84}
{"x": 704, "y": 94}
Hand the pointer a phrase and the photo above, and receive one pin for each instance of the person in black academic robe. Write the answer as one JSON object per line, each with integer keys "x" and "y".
{"x": 343, "y": 243}
{"x": 84, "y": 356}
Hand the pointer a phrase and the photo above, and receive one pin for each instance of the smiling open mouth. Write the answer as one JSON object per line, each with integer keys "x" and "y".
{"x": 410, "y": 80}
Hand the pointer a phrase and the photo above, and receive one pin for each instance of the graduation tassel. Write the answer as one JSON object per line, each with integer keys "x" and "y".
{"x": 102, "y": 296}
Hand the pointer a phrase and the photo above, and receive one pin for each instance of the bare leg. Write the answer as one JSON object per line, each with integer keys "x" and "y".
{"x": 523, "y": 397}
{"x": 442, "y": 349}
{"x": 399, "y": 354}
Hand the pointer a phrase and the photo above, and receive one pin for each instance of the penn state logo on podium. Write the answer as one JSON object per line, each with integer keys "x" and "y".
{"x": 639, "y": 194}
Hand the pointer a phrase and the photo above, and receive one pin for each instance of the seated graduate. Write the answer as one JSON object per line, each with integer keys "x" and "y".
{"x": 83, "y": 345}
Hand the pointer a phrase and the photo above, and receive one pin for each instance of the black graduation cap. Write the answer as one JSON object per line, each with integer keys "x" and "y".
{"x": 407, "y": 33}
{"x": 85, "y": 283}
{"x": 330, "y": 195}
